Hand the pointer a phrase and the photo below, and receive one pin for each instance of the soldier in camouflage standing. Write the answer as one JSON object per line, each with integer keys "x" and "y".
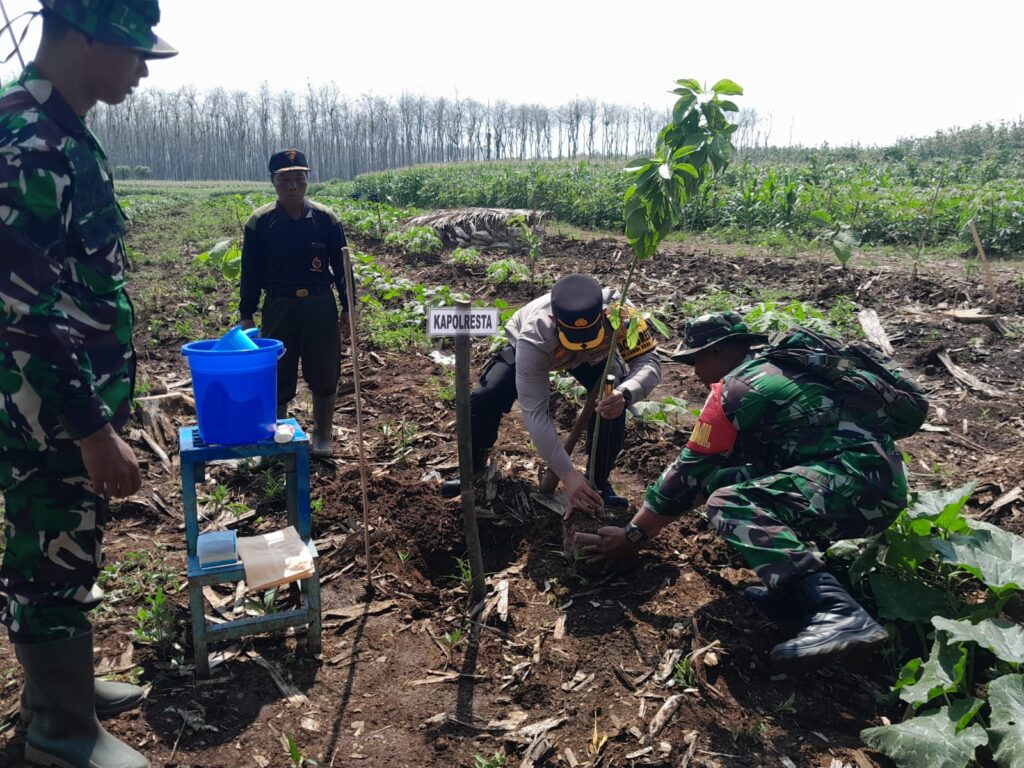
{"x": 67, "y": 367}
{"x": 779, "y": 462}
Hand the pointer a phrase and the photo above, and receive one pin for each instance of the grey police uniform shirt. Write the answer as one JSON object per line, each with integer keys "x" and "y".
{"x": 533, "y": 334}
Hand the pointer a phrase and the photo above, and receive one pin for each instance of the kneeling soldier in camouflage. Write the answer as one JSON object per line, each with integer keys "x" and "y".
{"x": 67, "y": 368}
{"x": 780, "y": 458}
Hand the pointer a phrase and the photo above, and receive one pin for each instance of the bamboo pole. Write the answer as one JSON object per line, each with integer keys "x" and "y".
{"x": 984, "y": 262}
{"x": 463, "y": 416}
{"x": 612, "y": 352}
{"x": 350, "y": 288}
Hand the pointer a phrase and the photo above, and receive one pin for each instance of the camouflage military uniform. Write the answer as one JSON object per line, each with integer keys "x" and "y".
{"x": 781, "y": 463}
{"x": 67, "y": 364}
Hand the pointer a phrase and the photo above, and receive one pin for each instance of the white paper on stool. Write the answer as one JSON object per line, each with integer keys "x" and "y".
{"x": 275, "y": 558}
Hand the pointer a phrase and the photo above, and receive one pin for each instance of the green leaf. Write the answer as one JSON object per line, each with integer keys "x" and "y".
{"x": 659, "y": 326}
{"x": 944, "y": 507}
{"x": 1006, "y": 730}
{"x": 728, "y": 106}
{"x": 842, "y": 250}
{"x": 928, "y": 741}
{"x": 687, "y": 168}
{"x": 822, "y": 216}
{"x": 941, "y": 675}
{"x": 690, "y": 84}
{"x": 293, "y": 749}
{"x": 727, "y": 88}
{"x": 638, "y": 165}
{"x": 633, "y": 331}
{"x": 995, "y": 556}
{"x": 907, "y": 600}
{"x": 867, "y": 560}
{"x": 636, "y": 224}
{"x": 1002, "y": 637}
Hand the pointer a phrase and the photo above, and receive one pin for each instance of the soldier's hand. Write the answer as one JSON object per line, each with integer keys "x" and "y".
{"x": 111, "y": 464}
{"x": 609, "y": 543}
{"x": 247, "y": 323}
{"x": 581, "y": 495}
{"x": 611, "y": 407}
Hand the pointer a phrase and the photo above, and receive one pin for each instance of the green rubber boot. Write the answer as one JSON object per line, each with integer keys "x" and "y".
{"x": 111, "y": 699}
{"x": 64, "y": 731}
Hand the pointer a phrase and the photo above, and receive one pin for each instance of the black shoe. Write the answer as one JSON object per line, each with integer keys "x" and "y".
{"x": 451, "y": 488}
{"x": 612, "y": 500}
{"x": 777, "y": 606}
{"x": 837, "y": 625}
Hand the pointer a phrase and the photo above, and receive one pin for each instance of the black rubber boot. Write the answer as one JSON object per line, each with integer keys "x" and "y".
{"x": 778, "y": 606}
{"x": 323, "y": 425}
{"x": 64, "y": 731}
{"x": 613, "y": 500}
{"x": 836, "y": 625}
{"x": 453, "y": 487}
{"x": 111, "y": 699}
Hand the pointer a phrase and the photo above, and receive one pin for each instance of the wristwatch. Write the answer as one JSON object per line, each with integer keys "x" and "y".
{"x": 627, "y": 395}
{"x": 634, "y": 533}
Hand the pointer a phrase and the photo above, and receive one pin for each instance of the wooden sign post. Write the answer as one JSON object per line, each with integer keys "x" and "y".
{"x": 463, "y": 322}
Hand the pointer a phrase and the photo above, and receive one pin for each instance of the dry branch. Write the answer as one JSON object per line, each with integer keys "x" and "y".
{"x": 965, "y": 378}
{"x": 875, "y": 332}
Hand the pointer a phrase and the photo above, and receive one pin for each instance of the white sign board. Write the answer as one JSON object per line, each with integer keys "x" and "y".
{"x": 449, "y": 321}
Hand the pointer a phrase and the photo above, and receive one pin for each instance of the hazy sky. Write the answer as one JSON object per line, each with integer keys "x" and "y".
{"x": 842, "y": 72}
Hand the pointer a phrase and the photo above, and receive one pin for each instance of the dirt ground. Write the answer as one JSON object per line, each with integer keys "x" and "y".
{"x": 574, "y": 673}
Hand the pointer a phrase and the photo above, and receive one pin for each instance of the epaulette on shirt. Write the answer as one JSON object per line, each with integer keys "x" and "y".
{"x": 645, "y": 341}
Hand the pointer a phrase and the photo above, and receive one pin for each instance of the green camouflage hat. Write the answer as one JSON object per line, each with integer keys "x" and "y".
{"x": 706, "y": 330}
{"x": 117, "y": 22}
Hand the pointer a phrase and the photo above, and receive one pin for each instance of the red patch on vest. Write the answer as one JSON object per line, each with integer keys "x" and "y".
{"x": 714, "y": 432}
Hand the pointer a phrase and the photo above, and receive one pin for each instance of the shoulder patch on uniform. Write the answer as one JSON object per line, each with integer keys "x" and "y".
{"x": 259, "y": 213}
{"x": 324, "y": 209}
{"x": 713, "y": 433}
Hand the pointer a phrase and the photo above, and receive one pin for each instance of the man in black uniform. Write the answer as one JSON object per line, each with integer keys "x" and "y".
{"x": 292, "y": 251}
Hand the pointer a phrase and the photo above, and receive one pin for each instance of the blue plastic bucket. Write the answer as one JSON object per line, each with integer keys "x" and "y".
{"x": 235, "y": 390}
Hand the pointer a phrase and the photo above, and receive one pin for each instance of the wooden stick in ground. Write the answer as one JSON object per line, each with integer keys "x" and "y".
{"x": 462, "y": 419}
{"x": 350, "y": 290}
{"x": 984, "y": 262}
{"x": 550, "y": 480}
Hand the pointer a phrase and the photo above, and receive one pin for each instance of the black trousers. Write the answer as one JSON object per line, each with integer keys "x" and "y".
{"x": 496, "y": 392}
{"x": 308, "y": 327}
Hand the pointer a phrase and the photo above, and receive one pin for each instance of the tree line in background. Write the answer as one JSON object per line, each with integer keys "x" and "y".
{"x": 219, "y": 134}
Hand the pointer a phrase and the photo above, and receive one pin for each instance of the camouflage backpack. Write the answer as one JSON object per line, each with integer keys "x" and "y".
{"x": 874, "y": 392}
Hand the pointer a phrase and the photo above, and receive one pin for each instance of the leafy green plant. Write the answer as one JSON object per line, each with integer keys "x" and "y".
{"x": 497, "y": 760}
{"x": 452, "y": 638}
{"x": 772, "y": 316}
{"x": 836, "y": 235}
{"x": 403, "y": 556}
{"x": 683, "y": 673}
{"x": 295, "y": 754}
{"x": 226, "y": 256}
{"x": 418, "y": 241}
{"x": 531, "y": 241}
{"x": 506, "y": 271}
{"x": 156, "y": 622}
{"x": 465, "y": 572}
{"x": 666, "y": 412}
{"x": 925, "y": 572}
{"x": 465, "y": 257}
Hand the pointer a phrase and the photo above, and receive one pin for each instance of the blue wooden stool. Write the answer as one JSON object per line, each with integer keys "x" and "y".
{"x": 195, "y": 454}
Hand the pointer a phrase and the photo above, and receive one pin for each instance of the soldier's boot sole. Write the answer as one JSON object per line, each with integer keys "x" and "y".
{"x": 111, "y": 699}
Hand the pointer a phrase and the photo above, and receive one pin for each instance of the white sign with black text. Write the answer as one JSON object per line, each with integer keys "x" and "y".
{"x": 450, "y": 321}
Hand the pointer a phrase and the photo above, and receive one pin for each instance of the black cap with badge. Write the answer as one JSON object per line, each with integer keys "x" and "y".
{"x": 578, "y": 306}
{"x": 288, "y": 160}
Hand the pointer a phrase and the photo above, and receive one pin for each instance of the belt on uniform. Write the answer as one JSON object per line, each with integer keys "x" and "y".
{"x": 297, "y": 293}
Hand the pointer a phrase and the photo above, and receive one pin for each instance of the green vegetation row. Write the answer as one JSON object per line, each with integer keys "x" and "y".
{"x": 904, "y": 203}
